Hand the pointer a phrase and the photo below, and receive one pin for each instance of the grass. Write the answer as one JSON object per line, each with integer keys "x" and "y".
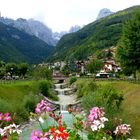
{"x": 131, "y": 103}
{"x": 14, "y": 96}
{"x": 20, "y": 97}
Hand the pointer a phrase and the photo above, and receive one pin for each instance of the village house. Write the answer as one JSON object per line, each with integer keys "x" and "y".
{"x": 110, "y": 66}
{"x": 81, "y": 66}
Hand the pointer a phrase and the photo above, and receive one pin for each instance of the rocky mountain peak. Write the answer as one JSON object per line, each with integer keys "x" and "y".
{"x": 103, "y": 13}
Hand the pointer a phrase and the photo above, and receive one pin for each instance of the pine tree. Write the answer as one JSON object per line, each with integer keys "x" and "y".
{"x": 128, "y": 51}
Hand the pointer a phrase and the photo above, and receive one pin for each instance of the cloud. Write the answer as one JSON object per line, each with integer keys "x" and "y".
{"x": 61, "y": 14}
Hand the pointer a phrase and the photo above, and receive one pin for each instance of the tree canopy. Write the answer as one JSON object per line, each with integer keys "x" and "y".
{"x": 128, "y": 51}
{"x": 94, "y": 65}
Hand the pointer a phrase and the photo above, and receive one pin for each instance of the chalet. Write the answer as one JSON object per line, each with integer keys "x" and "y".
{"x": 110, "y": 66}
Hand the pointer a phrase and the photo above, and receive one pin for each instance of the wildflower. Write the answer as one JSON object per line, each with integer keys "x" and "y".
{"x": 7, "y": 117}
{"x": 43, "y": 106}
{"x": 97, "y": 119}
{"x": 95, "y": 113}
{"x": 59, "y": 134}
{"x": 38, "y": 135}
{"x": 98, "y": 124}
{"x": 122, "y": 129}
{"x": 12, "y": 128}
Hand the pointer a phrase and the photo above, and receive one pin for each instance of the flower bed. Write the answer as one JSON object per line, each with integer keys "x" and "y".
{"x": 94, "y": 126}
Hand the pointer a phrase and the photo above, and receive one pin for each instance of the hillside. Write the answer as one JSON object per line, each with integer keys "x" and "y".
{"x": 18, "y": 46}
{"x": 98, "y": 35}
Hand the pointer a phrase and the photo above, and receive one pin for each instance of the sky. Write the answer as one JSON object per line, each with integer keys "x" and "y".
{"x": 60, "y": 15}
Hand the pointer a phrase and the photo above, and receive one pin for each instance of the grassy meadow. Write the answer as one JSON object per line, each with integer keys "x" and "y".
{"x": 21, "y": 97}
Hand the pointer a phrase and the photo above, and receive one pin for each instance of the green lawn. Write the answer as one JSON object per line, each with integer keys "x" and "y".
{"x": 17, "y": 97}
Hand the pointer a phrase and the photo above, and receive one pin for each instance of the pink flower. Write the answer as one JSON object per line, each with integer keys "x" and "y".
{"x": 122, "y": 129}
{"x": 96, "y": 113}
{"x": 38, "y": 135}
{"x": 7, "y": 117}
{"x": 1, "y": 116}
{"x": 43, "y": 106}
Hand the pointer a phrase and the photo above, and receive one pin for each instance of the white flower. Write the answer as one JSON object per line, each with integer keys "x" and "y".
{"x": 122, "y": 129}
{"x": 103, "y": 119}
{"x": 94, "y": 127}
{"x": 98, "y": 124}
{"x": 12, "y": 128}
{"x": 41, "y": 119}
{"x": 1, "y": 132}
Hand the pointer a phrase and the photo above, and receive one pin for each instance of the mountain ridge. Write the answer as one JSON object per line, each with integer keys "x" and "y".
{"x": 18, "y": 46}
{"x": 38, "y": 29}
{"x": 103, "y": 13}
{"x": 100, "y": 34}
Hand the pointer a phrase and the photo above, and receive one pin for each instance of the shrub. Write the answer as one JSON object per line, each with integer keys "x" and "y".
{"x": 30, "y": 102}
{"x": 22, "y": 114}
{"x": 42, "y": 73}
{"x": 83, "y": 89}
{"x": 105, "y": 96}
{"x": 72, "y": 80}
{"x": 44, "y": 87}
{"x": 108, "y": 98}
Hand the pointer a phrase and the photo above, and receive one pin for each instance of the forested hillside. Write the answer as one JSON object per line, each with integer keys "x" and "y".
{"x": 98, "y": 35}
{"x": 18, "y": 46}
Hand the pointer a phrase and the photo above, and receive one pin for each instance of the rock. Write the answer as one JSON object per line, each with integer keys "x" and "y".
{"x": 103, "y": 13}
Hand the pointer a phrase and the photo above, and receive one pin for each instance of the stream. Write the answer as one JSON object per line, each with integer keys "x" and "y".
{"x": 66, "y": 97}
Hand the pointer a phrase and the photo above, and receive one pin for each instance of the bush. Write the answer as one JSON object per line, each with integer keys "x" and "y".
{"x": 105, "y": 96}
{"x": 44, "y": 87}
{"x": 108, "y": 98}
{"x": 30, "y": 102}
{"x": 72, "y": 80}
{"x": 22, "y": 114}
{"x": 84, "y": 89}
{"x": 42, "y": 73}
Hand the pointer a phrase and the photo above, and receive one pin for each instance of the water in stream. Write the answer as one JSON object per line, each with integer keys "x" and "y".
{"x": 64, "y": 100}
{"x": 67, "y": 118}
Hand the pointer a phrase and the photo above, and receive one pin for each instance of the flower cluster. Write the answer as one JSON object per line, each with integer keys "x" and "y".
{"x": 122, "y": 129}
{"x": 59, "y": 134}
{"x": 5, "y": 117}
{"x": 8, "y": 128}
{"x": 95, "y": 122}
{"x": 43, "y": 106}
{"x": 53, "y": 134}
{"x": 38, "y": 135}
{"x": 96, "y": 118}
{"x": 56, "y": 117}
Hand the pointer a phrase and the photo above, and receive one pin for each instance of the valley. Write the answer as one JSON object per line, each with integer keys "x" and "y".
{"x": 81, "y": 84}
